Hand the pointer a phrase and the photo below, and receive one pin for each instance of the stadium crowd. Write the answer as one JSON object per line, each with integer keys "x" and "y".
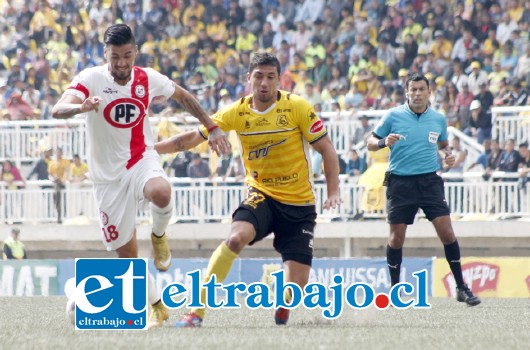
{"x": 338, "y": 54}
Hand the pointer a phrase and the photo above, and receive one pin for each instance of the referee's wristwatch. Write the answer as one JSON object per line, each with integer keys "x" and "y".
{"x": 382, "y": 143}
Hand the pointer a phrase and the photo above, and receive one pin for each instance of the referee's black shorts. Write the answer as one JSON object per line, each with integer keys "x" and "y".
{"x": 406, "y": 194}
{"x": 293, "y": 225}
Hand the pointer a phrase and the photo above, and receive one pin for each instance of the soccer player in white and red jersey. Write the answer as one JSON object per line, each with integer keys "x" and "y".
{"x": 124, "y": 167}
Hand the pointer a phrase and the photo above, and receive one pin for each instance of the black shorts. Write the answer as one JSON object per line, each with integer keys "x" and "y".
{"x": 406, "y": 194}
{"x": 293, "y": 226}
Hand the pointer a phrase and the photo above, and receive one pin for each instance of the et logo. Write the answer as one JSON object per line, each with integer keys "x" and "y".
{"x": 124, "y": 113}
{"x": 111, "y": 294}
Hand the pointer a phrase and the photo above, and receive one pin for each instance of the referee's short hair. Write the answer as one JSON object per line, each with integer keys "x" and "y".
{"x": 416, "y": 77}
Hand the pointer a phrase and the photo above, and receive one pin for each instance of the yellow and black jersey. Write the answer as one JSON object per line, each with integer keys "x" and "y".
{"x": 275, "y": 145}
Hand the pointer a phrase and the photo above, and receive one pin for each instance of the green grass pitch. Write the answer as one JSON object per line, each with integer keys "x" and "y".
{"x": 41, "y": 323}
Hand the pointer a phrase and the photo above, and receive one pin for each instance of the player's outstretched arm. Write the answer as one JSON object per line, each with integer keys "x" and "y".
{"x": 331, "y": 170}
{"x": 180, "y": 142}
{"x": 70, "y": 105}
{"x": 216, "y": 137}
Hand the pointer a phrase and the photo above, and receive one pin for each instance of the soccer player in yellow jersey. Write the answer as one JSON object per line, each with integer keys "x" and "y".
{"x": 275, "y": 129}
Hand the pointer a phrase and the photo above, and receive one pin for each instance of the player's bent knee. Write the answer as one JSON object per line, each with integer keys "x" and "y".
{"x": 238, "y": 240}
{"x": 161, "y": 197}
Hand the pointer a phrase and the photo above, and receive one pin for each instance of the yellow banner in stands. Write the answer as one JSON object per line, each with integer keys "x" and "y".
{"x": 487, "y": 277}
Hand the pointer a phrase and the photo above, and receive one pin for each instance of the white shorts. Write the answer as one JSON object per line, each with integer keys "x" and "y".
{"x": 120, "y": 201}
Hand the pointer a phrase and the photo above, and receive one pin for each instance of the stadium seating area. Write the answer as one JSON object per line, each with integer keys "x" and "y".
{"x": 349, "y": 58}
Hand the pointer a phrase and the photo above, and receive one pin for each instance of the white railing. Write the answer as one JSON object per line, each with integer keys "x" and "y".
{"x": 202, "y": 200}
{"x": 511, "y": 123}
{"x": 21, "y": 141}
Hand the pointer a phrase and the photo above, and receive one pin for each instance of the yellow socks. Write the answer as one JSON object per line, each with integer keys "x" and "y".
{"x": 219, "y": 265}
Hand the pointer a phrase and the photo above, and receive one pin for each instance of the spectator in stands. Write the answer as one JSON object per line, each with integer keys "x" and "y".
{"x": 458, "y": 77}
{"x": 362, "y": 132}
{"x": 236, "y": 168}
{"x": 245, "y": 39}
{"x": 252, "y": 22}
{"x": 180, "y": 164}
{"x": 13, "y": 246}
{"x": 494, "y": 159}
{"x": 266, "y": 37}
{"x": 288, "y": 9}
{"x": 281, "y": 36}
{"x": 505, "y": 28}
{"x": 154, "y": 17}
{"x": 225, "y": 100}
{"x": 461, "y": 45}
{"x": 518, "y": 95}
{"x": 461, "y": 106}
{"x": 356, "y": 165}
{"x": 482, "y": 159}
{"x": 236, "y": 15}
{"x": 510, "y": 159}
{"x": 524, "y": 164}
{"x": 198, "y": 168}
{"x": 480, "y": 122}
{"x": 497, "y": 78}
{"x": 460, "y": 155}
{"x": 522, "y": 70}
{"x": 47, "y": 105}
{"x": 11, "y": 175}
{"x": 309, "y": 10}
{"x": 40, "y": 169}
{"x": 78, "y": 170}
{"x": 18, "y": 108}
{"x": 476, "y": 77}
{"x": 507, "y": 58}
{"x": 13, "y": 207}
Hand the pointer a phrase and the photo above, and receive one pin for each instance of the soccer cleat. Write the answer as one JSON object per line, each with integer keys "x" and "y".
{"x": 161, "y": 251}
{"x": 281, "y": 316}
{"x": 191, "y": 320}
{"x": 158, "y": 315}
{"x": 464, "y": 294}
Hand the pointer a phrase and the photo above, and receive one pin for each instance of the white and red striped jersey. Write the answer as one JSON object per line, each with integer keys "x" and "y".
{"x": 119, "y": 133}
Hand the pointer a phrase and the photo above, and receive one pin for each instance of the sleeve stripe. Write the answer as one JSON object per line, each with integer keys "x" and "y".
{"x": 318, "y": 138}
{"x": 203, "y": 136}
{"x": 80, "y": 88}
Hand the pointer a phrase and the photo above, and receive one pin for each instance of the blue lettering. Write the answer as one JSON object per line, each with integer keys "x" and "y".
{"x": 169, "y": 292}
{"x": 337, "y": 293}
{"x": 395, "y": 294}
{"x": 211, "y": 293}
{"x": 315, "y": 299}
{"x": 422, "y": 288}
{"x": 231, "y": 290}
{"x": 351, "y": 295}
{"x": 195, "y": 289}
{"x": 259, "y": 296}
{"x": 280, "y": 289}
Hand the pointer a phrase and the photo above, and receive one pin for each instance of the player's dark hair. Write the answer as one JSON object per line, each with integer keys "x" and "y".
{"x": 262, "y": 58}
{"x": 118, "y": 35}
{"x": 416, "y": 77}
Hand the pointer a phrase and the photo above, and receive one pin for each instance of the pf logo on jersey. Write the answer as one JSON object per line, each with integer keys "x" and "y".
{"x": 124, "y": 113}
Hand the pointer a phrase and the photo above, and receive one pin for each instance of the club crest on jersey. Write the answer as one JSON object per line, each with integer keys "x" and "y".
{"x": 103, "y": 217}
{"x": 282, "y": 120}
{"x": 124, "y": 113}
{"x": 316, "y": 127}
{"x": 139, "y": 90}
